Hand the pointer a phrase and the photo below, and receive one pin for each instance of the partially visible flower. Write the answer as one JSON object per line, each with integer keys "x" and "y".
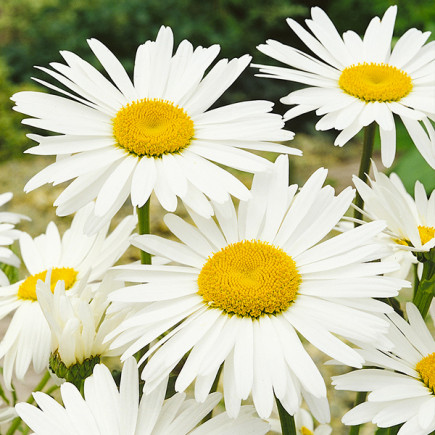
{"x": 78, "y": 324}
{"x": 354, "y": 82}
{"x": 402, "y": 387}
{"x": 410, "y": 222}
{"x": 105, "y": 410}
{"x": 71, "y": 258}
{"x": 304, "y": 425}
{"x": 8, "y": 234}
{"x": 239, "y": 292}
{"x": 154, "y": 134}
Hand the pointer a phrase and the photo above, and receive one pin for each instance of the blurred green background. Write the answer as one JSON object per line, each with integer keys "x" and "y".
{"x": 32, "y": 32}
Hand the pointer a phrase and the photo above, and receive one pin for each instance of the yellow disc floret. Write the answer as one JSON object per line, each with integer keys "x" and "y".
{"x": 306, "y": 431}
{"x": 375, "y": 82}
{"x": 152, "y": 127}
{"x": 426, "y": 233}
{"x": 426, "y": 370}
{"x": 27, "y": 289}
{"x": 249, "y": 279}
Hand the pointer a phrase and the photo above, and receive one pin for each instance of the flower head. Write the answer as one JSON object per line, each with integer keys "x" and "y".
{"x": 242, "y": 289}
{"x": 156, "y": 133}
{"x": 75, "y": 259}
{"x": 410, "y": 222}
{"x": 354, "y": 82}
{"x": 105, "y": 410}
{"x": 78, "y": 324}
{"x": 402, "y": 384}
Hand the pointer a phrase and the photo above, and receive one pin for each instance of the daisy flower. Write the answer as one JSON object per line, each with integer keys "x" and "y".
{"x": 129, "y": 138}
{"x": 8, "y": 234}
{"x": 78, "y": 324}
{"x": 105, "y": 410}
{"x": 242, "y": 289}
{"x": 402, "y": 386}
{"x": 72, "y": 258}
{"x": 354, "y": 82}
{"x": 410, "y": 222}
{"x": 303, "y": 423}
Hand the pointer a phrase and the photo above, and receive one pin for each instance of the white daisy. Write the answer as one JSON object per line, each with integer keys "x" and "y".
{"x": 8, "y": 234}
{"x": 72, "y": 258}
{"x": 155, "y": 134}
{"x": 305, "y": 426}
{"x": 78, "y": 324}
{"x": 410, "y": 222}
{"x": 354, "y": 82}
{"x": 105, "y": 410}
{"x": 244, "y": 289}
{"x": 303, "y": 423}
{"x": 402, "y": 387}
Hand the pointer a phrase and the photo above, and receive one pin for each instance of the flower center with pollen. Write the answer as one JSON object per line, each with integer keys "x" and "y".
{"x": 426, "y": 370}
{"x": 249, "y": 279}
{"x": 27, "y": 289}
{"x": 152, "y": 127}
{"x": 426, "y": 233}
{"x": 375, "y": 82}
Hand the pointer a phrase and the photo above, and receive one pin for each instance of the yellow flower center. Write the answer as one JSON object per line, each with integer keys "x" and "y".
{"x": 27, "y": 289}
{"x": 426, "y": 233}
{"x": 249, "y": 279}
{"x": 306, "y": 431}
{"x": 152, "y": 127}
{"x": 426, "y": 370}
{"x": 375, "y": 82}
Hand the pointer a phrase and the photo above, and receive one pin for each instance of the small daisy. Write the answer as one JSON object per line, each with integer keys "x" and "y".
{"x": 354, "y": 82}
{"x": 156, "y": 133}
{"x": 8, "y": 234}
{"x": 410, "y": 223}
{"x": 305, "y": 426}
{"x": 78, "y": 324}
{"x": 303, "y": 423}
{"x": 241, "y": 291}
{"x": 105, "y": 410}
{"x": 402, "y": 387}
{"x": 72, "y": 258}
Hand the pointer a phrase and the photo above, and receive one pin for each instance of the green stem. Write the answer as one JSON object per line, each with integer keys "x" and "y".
{"x": 17, "y": 421}
{"x": 287, "y": 421}
{"x": 425, "y": 288}
{"x": 360, "y": 398}
{"x": 416, "y": 280}
{"x": 394, "y": 429}
{"x": 364, "y": 167}
{"x": 143, "y": 214}
{"x": 51, "y": 389}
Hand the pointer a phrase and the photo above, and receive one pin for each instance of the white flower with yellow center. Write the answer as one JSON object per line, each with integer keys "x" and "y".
{"x": 8, "y": 234}
{"x": 303, "y": 423}
{"x": 126, "y": 139}
{"x": 106, "y": 411}
{"x": 410, "y": 222}
{"x": 242, "y": 291}
{"x": 354, "y": 82}
{"x": 71, "y": 258}
{"x": 402, "y": 387}
{"x": 78, "y": 323}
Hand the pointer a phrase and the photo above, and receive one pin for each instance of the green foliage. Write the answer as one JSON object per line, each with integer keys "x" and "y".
{"x": 33, "y": 31}
{"x": 13, "y": 140}
{"x": 412, "y": 167}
